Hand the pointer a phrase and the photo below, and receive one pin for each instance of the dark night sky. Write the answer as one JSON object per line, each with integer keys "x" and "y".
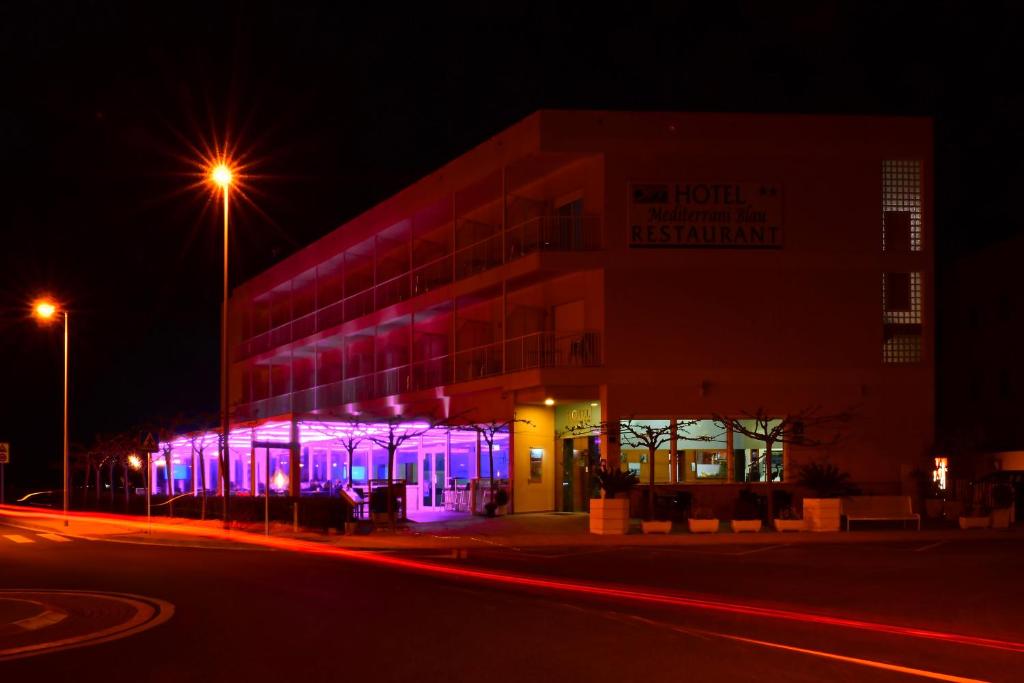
{"x": 101, "y": 101}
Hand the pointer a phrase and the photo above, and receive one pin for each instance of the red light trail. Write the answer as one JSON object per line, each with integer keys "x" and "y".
{"x": 588, "y": 589}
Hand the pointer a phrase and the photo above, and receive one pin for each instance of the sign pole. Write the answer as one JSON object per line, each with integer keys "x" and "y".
{"x": 149, "y": 512}
{"x": 266, "y": 494}
{"x": 5, "y": 457}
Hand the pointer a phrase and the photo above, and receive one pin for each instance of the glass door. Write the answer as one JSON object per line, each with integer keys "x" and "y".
{"x": 433, "y": 480}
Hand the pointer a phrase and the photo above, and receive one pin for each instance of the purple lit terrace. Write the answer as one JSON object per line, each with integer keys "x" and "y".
{"x": 439, "y": 466}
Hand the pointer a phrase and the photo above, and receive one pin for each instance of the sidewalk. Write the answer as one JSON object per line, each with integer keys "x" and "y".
{"x": 462, "y": 531}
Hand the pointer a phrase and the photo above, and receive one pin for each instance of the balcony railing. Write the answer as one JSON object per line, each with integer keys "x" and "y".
{"x": 542, "y": 234}
{"x": 539, "y": 350}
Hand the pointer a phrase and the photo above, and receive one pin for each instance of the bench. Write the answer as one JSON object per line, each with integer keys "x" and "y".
{"x": 879, "y": 509}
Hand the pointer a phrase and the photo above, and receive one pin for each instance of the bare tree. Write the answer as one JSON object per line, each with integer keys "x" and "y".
{"x": 806, "y": 428}
{"x": 355, "y": 433}
{"x": 199, "y": 441}
{"x": 650, "y": 434}
{"x": 390, "y": 433}
{"x": 488, "y": 432}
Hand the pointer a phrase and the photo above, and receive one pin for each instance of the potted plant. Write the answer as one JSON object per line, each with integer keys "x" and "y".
{"x": 702, "y": 521}
{"x": 786, "y": 518}
{"x": 498, "y": 505}
{"x": 747, "y": 513}
{"x": 1002, "y": 503}
{"x": 976, "y": 516}
{"x": 828, "y": 484}
{"x": 609, "y": 514}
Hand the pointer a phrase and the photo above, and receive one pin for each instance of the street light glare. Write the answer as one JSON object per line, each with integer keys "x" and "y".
{"x": 44, "y": 309}
{"x": 222, "y": 175}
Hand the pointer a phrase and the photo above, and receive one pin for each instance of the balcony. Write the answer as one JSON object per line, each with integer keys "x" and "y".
{"x": 542, "y": 234}
{"x": 532, "y": 351}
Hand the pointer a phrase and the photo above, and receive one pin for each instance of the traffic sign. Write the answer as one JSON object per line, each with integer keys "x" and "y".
{"x": 150, "y": 445}
{"x": 5, "y": 453}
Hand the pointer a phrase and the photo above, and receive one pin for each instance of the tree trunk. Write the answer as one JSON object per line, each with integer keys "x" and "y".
{"x": 490, "y": 464}
{"x": 202, "y": 483}
{"x": 653, "y": 448}
{"x": 99, "y": 485}
{"x": 351, "y": 455}
{"x": 127, "y": 485}
{"x": 391, "y": 505}
{"x": 769, "y": 504}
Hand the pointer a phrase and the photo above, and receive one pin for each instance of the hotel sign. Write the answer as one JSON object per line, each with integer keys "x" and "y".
{"x": 696, "y": 215}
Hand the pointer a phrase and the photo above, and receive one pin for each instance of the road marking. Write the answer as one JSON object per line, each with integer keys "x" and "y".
{"x": 17, "y": 538}
{"x": 929, "y": 546}
{"x": 147, "y": 613}
{"x": 763, "y": 549}
{"x": 47, "y": 618}
{"x": 934, "y": 675}
{"x": 54, "y": 537}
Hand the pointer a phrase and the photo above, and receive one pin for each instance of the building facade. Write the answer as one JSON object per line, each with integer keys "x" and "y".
{"x": 584, "y": 268}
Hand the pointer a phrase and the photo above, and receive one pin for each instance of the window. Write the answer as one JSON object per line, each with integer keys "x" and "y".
{"x": 536, "y": 465}
{"x": 701, "y": 451}
{"x": 635, "y": 440}
{"x": 901, "y": 317}
{"x": 749, "y": 454}
{"x": 901, "y": 206}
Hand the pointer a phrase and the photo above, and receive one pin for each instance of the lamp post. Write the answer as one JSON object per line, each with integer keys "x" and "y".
{"x": 46, "y": 311}
{"x": 222, "y": 176}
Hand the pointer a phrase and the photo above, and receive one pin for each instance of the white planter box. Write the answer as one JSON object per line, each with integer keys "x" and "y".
{"x": 974, "y": 522}
{"x": 1001, "y": 518}
{"x": 609, "y": 516}
{"x": 741, "y": 525}
{"x": 656, "y": 527}
{"x": 789, "y": 524}
{"x": 821, "y": 514}
{"x": 702, "y": 526}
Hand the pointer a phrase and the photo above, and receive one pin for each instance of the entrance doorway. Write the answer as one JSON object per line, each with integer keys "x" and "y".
{"x": 579, "y": 458}
{"x": 432, "y": 486}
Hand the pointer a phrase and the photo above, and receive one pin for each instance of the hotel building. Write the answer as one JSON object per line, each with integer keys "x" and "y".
{"x": 586, "y": 267}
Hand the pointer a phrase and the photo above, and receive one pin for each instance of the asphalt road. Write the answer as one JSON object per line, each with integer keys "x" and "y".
{"x": 236, "y": 613}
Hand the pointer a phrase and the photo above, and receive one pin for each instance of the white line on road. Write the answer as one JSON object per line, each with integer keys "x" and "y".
{"x": 17, "y": 538}
{"x": 57, "y": 538}
{"x": 929, "y": 546}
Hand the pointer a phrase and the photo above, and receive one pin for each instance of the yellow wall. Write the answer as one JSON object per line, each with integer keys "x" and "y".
{"x": 534, "y": 496}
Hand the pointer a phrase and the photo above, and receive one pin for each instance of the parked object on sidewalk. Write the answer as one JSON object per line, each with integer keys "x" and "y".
{"x": 786, "y": 517}
{"x": 796, "y": 524}
{"x": 828, "y": 483}
{"x": 747, "y": 512}
{"x": 879, "y": 509}
{"x": 609, "y": 516}
{"x": 975, "y": 521}
{"x": 656, "y": 526}
{"x": 1002, "y": 505}
{"x": 976, "y": 515}
{"x": 499, "y": 505}
{"x": 702, "y": 521}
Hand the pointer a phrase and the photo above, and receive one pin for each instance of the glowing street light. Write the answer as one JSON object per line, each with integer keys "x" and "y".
{"x": 135, "y": 462}
{"x": 222, "y": 176}
{"x": 46, "y": 310}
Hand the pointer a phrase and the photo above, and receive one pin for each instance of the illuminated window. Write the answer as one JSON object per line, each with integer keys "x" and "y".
{"x": 702, "y": 452}
{"x": 901, "y": 317}
{"x": 536, "y": 465}
{"x": 901, "y": 206}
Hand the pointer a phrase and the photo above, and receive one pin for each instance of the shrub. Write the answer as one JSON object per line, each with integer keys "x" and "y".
{"x": 826, "y": 480}
{"x": 501, "y": 497}
{"x": 1002, "y": 496}
{"x": 616, "y": 481}
{"x": 748, "y": 505}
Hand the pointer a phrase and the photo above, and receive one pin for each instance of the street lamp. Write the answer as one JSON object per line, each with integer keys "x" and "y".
{"x": 222, "y": 176}
{"x": 46, "y": 311}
